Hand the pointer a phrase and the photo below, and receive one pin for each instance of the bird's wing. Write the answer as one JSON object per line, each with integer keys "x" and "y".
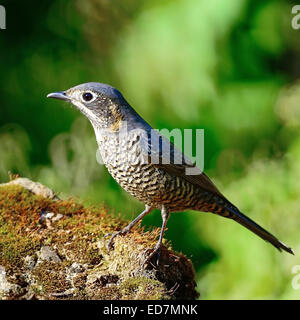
{"x": 163, "y": 154}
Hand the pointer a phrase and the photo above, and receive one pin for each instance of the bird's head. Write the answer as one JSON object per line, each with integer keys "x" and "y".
{"x": 102, "y": 104}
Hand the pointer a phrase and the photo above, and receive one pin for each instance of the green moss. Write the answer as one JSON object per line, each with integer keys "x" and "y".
{"x": 77, "y": 237}
{"x": 21, "y": 233}
{"x": 14, "y": 249}
{"x": 51, "y": 277}
{"x": 141, "y": 288}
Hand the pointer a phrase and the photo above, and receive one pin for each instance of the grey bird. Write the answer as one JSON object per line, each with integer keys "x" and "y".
{"x": 149, "y": 166}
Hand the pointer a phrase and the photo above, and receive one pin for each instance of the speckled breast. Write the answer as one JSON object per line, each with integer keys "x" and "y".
{"x": 123, "y": 161}
{"x": 146, "y": 182}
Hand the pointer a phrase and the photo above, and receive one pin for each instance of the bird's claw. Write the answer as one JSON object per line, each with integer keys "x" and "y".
{"x": 154, "y": 252}
{"x": 113, "y": 235}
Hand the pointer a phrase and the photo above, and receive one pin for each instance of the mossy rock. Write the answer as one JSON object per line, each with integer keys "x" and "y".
{"x": 54, "y": 249}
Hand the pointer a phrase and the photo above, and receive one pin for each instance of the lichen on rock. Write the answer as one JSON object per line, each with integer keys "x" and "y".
{"x": 54, "y": 249}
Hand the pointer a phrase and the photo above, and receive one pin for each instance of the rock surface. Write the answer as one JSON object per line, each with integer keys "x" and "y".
{"x": 35, "y": 187}
{"x": 54, "y": 249}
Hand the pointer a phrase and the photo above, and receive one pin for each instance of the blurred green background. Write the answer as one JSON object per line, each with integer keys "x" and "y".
{"x": 230, "y": 67}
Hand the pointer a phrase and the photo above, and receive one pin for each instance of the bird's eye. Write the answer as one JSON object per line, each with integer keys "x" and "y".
{"x": 87, "y": 96}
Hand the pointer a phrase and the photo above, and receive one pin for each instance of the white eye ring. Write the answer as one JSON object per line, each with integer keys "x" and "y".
{"x": 87, "y": 96}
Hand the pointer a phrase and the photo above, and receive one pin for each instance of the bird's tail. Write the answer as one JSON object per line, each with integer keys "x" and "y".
{"x": 235, "y": 214}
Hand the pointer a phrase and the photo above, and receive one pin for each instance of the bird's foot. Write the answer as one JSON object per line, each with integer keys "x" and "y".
{"x": 154, "y": 252}
{"x": 112, "y": 236}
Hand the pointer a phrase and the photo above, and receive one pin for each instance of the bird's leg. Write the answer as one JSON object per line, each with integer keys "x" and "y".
{"x": 156, "y": 250}
{"x": 147, "y": 210}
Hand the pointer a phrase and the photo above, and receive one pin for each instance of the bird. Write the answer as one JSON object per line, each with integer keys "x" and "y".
{"x": 148, "y": 165}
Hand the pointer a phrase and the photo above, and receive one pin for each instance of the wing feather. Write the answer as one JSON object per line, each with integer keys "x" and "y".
{"x": 163, "y": 154}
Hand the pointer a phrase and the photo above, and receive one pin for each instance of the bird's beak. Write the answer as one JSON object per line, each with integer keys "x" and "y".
{"x": 59, "y": 95}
